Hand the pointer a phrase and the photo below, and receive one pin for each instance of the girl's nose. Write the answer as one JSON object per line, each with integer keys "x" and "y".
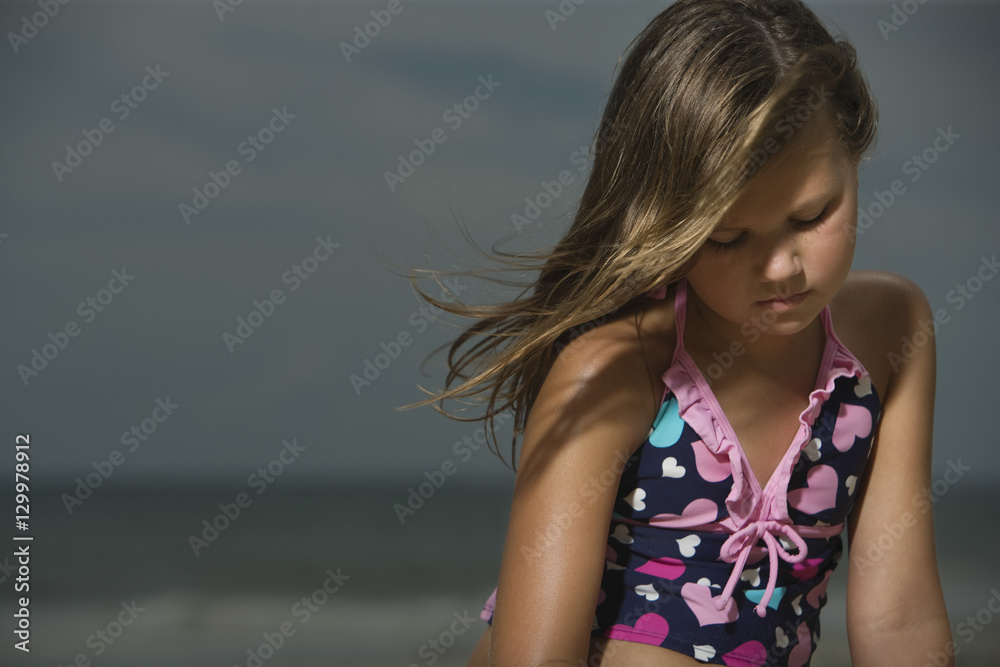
{"x": 782, "y": 261}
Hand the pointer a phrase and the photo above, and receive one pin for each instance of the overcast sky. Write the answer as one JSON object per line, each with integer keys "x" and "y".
{"x": 169, "y": 283}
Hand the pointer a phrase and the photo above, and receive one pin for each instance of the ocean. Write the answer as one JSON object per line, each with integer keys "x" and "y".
{"x": 303, "y": 577}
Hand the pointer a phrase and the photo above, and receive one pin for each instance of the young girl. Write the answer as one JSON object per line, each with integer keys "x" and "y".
{"x": 690, "y": 461}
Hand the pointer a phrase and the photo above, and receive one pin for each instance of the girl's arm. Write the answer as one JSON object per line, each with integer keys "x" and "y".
{"x": 895, "y": 607}
{"x": 590, "y": 414}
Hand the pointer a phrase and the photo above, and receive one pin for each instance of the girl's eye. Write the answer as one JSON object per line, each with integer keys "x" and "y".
{"x": 730, "y": 245}
{"x": 738, "y": 241}
{"x": 815, "y": 221}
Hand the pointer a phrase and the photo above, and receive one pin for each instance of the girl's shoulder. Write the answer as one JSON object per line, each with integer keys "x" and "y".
{"x": 873, "y": 315}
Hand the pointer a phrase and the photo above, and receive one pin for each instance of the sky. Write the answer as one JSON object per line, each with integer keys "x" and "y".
{"x": 172, "y": 167}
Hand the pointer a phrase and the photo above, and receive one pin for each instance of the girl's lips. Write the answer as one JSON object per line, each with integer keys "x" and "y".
{"x": 785, "y": 304}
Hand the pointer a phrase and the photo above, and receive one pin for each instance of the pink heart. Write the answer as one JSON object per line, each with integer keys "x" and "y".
{"x": 749, "y": 654}
{"x": 801, "y": 651}
{"x": 711, "y": 467}
{"x": 649, "y": 629}
{"x": 852, "y": 421}
{"x": 700, "y": 601}
{"x": 814, "y": 595}
{"x": 665, "y": 568}
{"x": 806, "y": 569}
{"x": 820, "y": 492}
{"x": 698, "y": 512}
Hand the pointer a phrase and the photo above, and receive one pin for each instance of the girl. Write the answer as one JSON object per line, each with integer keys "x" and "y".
{"x": 690, "y": 461}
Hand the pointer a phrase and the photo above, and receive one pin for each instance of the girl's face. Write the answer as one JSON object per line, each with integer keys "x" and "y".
{"x": 792, "y": 231}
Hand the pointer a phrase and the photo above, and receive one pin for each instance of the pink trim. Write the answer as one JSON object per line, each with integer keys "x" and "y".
{"x": 753, "y": 510}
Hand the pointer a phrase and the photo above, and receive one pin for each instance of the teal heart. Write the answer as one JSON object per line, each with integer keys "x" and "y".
{"x": 667, "y": 426}
{"x": 758, "y": 595}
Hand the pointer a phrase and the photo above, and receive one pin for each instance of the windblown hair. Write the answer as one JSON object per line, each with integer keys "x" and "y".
{"x": 709, "y": 90}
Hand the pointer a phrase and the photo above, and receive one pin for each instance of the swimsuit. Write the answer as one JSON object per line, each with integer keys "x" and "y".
{"x": 700, "y": 558}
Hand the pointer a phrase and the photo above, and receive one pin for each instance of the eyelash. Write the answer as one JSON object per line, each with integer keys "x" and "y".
{"x": 732, "y": 245}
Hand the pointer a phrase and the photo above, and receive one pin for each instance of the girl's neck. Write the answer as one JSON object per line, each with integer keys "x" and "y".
{"x": 757, "y": 348}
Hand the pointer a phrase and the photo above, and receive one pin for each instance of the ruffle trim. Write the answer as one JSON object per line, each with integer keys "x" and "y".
{"x": 698, "y": 407}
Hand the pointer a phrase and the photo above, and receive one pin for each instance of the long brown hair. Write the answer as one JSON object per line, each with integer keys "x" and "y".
{"x": 708, "y": 91}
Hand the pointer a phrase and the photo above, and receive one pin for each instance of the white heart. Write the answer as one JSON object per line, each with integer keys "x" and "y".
{"x": 795, "y": 606}
{"x": 787, "y": 544}
{"x": 705, "y": 581}
{"x": 635, "y": 500}
{"x": 687, "y": 544}
{"x": 781, "y": 640}
{"x": 849, "y": 483}
{"x": 864, "y": 386}
{"x": 703, "y": 652}
{"x": 613, "y": 566}
{"x": 812, "y": 449}
{"x": 671, "y": 469}
{"x": 621, "y": 534}
{"x": 647, "y": 591}
{"x": 753, "y": 576}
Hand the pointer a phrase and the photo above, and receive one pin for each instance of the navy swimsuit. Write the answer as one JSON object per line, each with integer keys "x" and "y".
{"x": 704, "y": 561}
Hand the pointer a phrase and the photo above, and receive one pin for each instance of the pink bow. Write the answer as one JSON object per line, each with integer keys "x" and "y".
{"x": 738, "y": 546}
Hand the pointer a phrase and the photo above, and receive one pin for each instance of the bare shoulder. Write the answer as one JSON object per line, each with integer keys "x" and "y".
{"x": 610, "y": 365}
{"x": 876, "y": 314}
